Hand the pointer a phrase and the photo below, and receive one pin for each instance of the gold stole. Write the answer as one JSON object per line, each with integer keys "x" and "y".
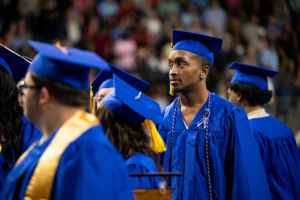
{"x": 40, "y": 185}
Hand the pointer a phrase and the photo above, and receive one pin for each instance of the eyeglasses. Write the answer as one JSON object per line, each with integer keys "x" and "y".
{"x": 24, "y": 88}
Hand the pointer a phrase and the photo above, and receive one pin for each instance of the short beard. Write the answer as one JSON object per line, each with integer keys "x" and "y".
{"x": 175, "y": 91}
{"x": 181, "y": 91}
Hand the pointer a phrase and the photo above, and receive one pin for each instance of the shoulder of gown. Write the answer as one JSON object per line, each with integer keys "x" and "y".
{"x": 141, "y": 163}
{"x": 280, "y": 156}
{"x": 271, "y": 127}
{"x": 30, "y": 134}
{"x": 92, "y": 168}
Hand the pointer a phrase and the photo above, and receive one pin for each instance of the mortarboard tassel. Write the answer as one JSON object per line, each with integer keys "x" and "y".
{"x": 91, "y": 97}
{"x": 156, "y": 142}
{"x": 171, "y": 92}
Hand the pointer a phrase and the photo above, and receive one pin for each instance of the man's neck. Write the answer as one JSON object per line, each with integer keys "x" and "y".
{"x": 55, "y": 118}
{"x": 250, "y": 109}
{"x": 194, "y": 98}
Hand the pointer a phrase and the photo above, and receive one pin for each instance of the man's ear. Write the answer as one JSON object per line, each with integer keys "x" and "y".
{"x": 240, "y": 96}
{"x": 44, "y": 96}
{"x": 204, "y": 72}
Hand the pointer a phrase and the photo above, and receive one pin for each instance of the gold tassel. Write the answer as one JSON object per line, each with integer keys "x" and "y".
{"x": 91, "y": 97}
{"x": 156, "y": 142}
{"x": 171, "y": 43}
{"x": 63, "y": 49}
{"x": 171, "y": 90}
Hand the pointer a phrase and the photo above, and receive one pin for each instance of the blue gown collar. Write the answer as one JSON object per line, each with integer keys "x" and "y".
{"x": 197, "y": 118}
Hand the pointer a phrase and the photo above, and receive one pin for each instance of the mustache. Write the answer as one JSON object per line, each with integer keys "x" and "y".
{"x": 174, "y": 79}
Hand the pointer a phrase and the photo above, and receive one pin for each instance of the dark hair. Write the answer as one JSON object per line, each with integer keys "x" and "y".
{"x": 203, "y": 61}
{"x": 64, "y": 94}
{"x": 253, "y": 95}
{"x": 127, "y": 137}
{"x": 10, "y": 119}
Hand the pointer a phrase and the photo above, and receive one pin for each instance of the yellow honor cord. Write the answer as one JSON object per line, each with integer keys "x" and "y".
{"x": 156, "y": 142}
{"x": 0, "y": 148}
{"x": 91, "y": 97}
{"x": 171, "y": 92}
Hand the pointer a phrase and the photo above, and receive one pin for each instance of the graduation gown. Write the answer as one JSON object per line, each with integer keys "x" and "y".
{"x": 89, "y": 168}
{"x": 279, "y": 153}
{"x": 235, "y": 165}
{"x": 141, "y": 163}
{"x": 30, "y": 134}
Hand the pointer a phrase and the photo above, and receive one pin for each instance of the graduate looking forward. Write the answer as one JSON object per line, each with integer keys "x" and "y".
{"x": 208, "y": 139}
{"x": 74, "y": 159}
{"x": 16, "y": 132}
{"x": 127, "y": 116}
{"x": 277, "y": 145}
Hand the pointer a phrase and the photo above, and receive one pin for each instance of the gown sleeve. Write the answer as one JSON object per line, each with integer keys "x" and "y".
{"x": 244, "y": 171}
{"x": 89, "y": 172}
{"x": 142, "y": 182}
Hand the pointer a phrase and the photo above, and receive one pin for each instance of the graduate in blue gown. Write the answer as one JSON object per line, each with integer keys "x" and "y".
{"x": 208, "y": 139}
{"x": 122, "y": 113}
{"x": 104, "y": 84}
{"x": 16, "y": 132}
{"x": 279, "y": 152}
{"x": 74, "y": 159}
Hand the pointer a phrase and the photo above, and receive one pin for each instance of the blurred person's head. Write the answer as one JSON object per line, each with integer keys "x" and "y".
{"x": 272, "y": 20}
{"x": 271, "y": 44}
{"x": 286, "y": 31}
{"x": 21, "y": 27}
{"x": 215, "y": 4}
{"x": 253, "y": 19}
{"x": 261, "y": 33}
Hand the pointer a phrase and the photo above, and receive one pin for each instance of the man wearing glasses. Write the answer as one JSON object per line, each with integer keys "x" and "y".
{"x": 73, "y": 159}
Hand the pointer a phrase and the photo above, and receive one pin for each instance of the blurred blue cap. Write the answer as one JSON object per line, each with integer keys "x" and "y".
{"x": 15, "y": 64}
{"x": 202, "y": 45}
{"x": 105, "y": 79}
{"x": 131, "y": 104}
{"x": 252, "y": 75}
{"x": 68, "y": 66}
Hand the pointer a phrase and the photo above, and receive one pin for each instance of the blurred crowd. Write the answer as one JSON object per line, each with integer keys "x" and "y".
{"x": 135, "y": 35}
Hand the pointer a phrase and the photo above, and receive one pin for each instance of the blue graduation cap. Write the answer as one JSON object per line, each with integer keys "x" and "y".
{"x": 202, "y": 45}
{"x": 252, "y": 75}
{"x": 133, "y": 105}
{"x": 64, "y": 65}
{"x": 15, "y": 64}
{"x": 105, "y": 79}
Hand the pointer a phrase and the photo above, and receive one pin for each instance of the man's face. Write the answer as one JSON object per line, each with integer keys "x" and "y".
{"x": 30, "y": 100}
{"x": 101, "y": 94}
{"x": 184, "y": 70}
{"x": 233, "y": 97}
